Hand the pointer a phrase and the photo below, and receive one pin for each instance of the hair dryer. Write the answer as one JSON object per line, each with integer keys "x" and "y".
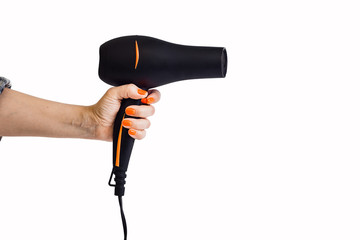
{"x": 149, "y": 62}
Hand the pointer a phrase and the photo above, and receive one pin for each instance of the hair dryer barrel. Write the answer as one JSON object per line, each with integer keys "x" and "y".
{"x": 149, "y": 62}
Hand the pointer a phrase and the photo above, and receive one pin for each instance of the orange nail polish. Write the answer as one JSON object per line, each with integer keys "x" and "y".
{"x": 132, "y": 132}
{"x": 144, "y": 101}
{"x": 130, "y": 111}
{"x": 150, "y": 100}
{"x": 127, "y": 123}
{"x": 142, "y": 92}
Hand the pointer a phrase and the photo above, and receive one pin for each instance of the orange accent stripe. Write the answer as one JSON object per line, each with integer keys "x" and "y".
{"x": 137, "y": 54}
{"x": 117, "y": 162}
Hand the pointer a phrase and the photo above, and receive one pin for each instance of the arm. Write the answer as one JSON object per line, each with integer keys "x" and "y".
{"x": 25, "y": 115}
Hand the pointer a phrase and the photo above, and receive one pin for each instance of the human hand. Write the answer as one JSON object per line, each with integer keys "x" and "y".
{"x": 104, "y": 111}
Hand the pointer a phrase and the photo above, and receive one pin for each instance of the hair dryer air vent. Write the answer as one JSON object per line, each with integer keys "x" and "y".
{"x": 224, "y": 62}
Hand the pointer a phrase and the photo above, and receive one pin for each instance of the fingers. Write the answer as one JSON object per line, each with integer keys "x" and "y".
{"x": 137, "y": 134}
{"x": 142, "y": 111}
{"x": 153, "y": 97}
{"x": 137, "y": 124}
{"x": 136, "y": 127}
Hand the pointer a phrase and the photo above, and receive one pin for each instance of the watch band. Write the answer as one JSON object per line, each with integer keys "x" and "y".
{"x": 4, "y": 83}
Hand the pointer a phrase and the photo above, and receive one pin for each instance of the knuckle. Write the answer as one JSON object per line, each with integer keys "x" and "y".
{"x": 129, "y": 89}
{"x": 152, "y": 110}
{"x": 145, "y": 123}
{"x": 111, "y": 91}
{"x": 158, "y": 95}
{"x": 132, "y": 91}
{"x": 131, "y": 86}
{"x": 142, "y": 135}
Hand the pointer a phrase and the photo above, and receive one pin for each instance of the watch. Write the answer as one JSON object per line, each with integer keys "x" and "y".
{"x": 4, "y": 83}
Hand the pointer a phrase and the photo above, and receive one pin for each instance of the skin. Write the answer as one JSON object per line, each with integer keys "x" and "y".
{"x": 25, "y": 115}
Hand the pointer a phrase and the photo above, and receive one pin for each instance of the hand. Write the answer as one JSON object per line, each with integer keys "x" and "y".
{"x": 104, "y": 111}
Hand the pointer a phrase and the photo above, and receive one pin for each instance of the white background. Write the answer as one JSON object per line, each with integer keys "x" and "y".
{"x": 269, "y": 152}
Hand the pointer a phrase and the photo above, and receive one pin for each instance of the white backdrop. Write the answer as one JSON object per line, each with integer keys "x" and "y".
{"x": 269, "y": 152}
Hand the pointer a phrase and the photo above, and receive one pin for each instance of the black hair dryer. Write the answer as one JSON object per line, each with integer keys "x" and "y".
{"x": 149, "y": 62}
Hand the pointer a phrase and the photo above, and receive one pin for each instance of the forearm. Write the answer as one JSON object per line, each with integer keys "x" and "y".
{"x": 25, "y": 115}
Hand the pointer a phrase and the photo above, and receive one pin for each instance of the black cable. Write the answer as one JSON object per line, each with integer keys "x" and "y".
{"x": 120, "y": 181}
{"x": 123, "y": 217}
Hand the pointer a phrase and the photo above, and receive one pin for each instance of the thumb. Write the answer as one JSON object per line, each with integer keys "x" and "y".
{"x": 127, "y": 91}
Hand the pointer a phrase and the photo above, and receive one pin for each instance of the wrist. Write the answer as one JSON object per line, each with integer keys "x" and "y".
{"x": 85, "y": 122}
{"x": 96, "y": 127}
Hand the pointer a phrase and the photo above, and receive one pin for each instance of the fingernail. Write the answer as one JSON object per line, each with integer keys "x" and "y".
{"x": 127, "y": 123}
{"x": 150, "y": 100}
{"x": 142, "y": 92}
{"x": 144, "y": 101}
{"x": 132, "y": 132}
{"x": 130, "y": 111}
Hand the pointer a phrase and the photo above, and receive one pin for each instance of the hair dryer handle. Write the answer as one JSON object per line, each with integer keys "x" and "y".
{"x": 122, "y": 147}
